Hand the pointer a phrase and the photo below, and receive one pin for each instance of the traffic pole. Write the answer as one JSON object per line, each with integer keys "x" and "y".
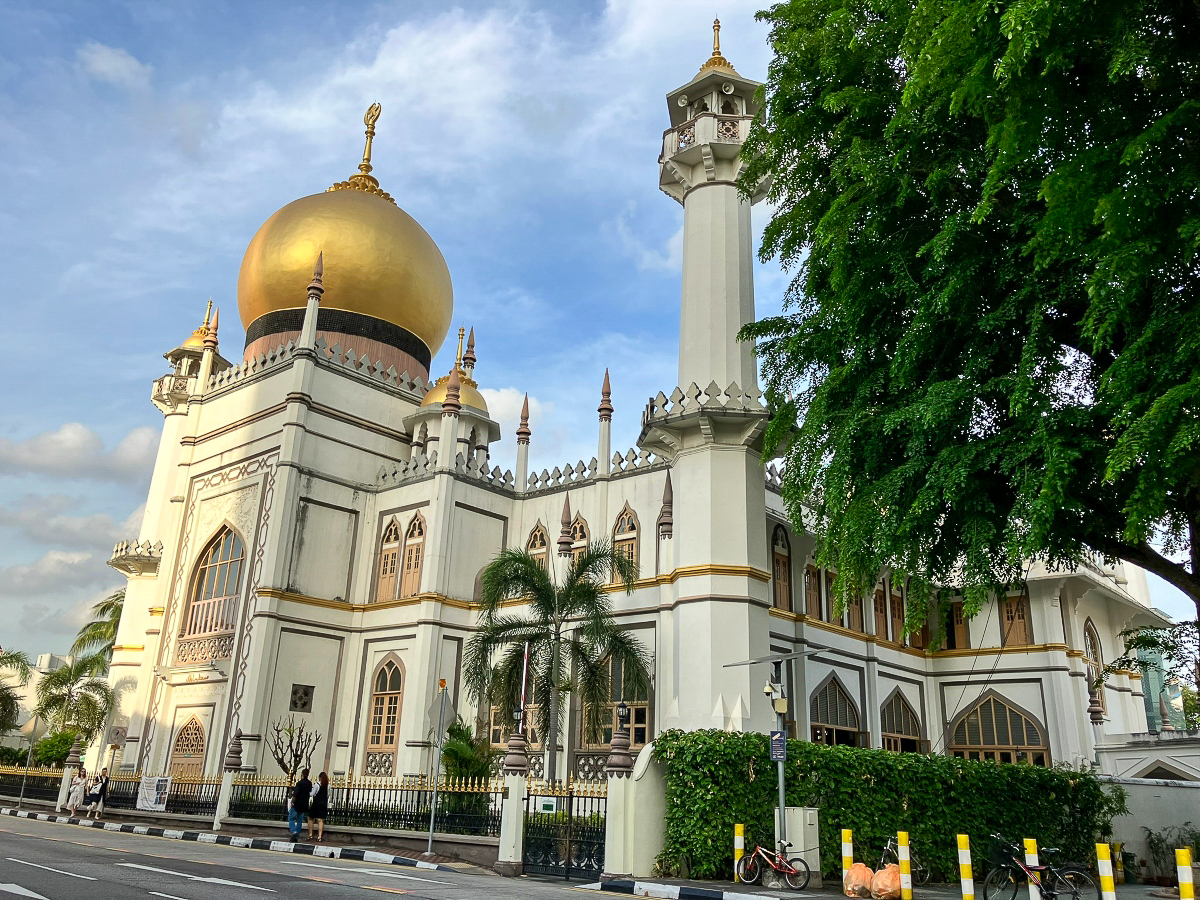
{"x": 1183, "y": 867}
{"x": 847, "y": 852}
{"x": 965, "y": 874}
{"x": 1031, "y": 859}
{"x": 1108, "y": 883}
{"x": 905, "y": 865}
{"x": 739, "y": 848}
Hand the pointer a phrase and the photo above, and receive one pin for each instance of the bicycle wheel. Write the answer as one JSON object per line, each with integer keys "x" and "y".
{"x": 1075, "y": 883}
{"x": 1002, "y": 883}
{"x": 748, "y": 869}
{"x": 799, "y": 880}
{"x": 920, "y": 871}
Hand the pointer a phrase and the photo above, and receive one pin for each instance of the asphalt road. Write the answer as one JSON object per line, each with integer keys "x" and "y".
{"x": 65, "y": 862}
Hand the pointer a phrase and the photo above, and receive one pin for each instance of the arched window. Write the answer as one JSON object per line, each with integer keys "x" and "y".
{"x": 901, "y": 726}
{"x": 833, "y": 716}
{"x": 187, "y": 752}
{"x": 781, "y": 553}
{"x": 625, "y": 537}
{"x": 387, "y": 690}
{"x": 1093, "y": 658}
{"x": 579, "y": 537}
{"x": 216, "y": 586}
{"x": 414, "y": 552}
{"x": 389, "y": 561}
{"x": 994, "y": 730}
{"x": 536, "y": 545}
{"x": 729, "y": 107}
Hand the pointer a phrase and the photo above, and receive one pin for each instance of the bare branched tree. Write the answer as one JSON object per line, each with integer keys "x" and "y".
{"x": 292, "y": 745}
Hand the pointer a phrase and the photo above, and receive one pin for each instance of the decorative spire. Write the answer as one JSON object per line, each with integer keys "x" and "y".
{"x": 363, "y": 180}
{"x": 73, "y": 758}
{"x": 451, "y": 404}
{"x": 469, "y": 357}
{"x": 458, "y": 356}
{"x": 523, "y": 431}
{"x": 210, "y": 336}
{"x": 666, "y": 518}
{"x": 717, "y": 61}
{"x": 233, "y": 756}
{"x": 1095, "y": 710}
{"x": 1164, "y": 713}
{"x": 207, "y": 313}
{"x": 564, "y": 536}
{"x": 317, "y": 285}
{"x": 605, "y": 408}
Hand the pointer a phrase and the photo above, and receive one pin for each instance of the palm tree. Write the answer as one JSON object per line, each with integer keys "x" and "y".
{"x": 97, "y": 638}
{"x": 73, "y": 697}
{"x": 571, "y": 634}
{"x": 18, "y": 664}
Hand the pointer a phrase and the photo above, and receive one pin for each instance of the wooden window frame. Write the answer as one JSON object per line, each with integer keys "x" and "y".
{"x": 387, "y": 576}
{"x": 208, "y": 612}
{"x": 383, "y": 716}
{"x": 998, "y": 751}
{"x": 625, "y": 534}
{"x": 781, "y": 578}
{"x": 1020, "y": 605}
{"x": 414, "y": 556}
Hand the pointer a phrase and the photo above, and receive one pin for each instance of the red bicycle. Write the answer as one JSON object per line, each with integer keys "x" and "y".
{"x": 794, "y": 871}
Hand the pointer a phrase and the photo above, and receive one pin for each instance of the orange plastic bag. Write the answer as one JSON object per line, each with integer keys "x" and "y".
{"x": 886, "y": 883}
{"x": 857, "y": 882}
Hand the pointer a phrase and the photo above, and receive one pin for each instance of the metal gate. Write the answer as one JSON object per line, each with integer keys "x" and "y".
{"x": 564, "y": 828}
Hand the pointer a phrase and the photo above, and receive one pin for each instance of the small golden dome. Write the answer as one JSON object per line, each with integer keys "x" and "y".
{"x": 468, "y": 393}
{"x": 197, "y": 338}
{"x": 378, "y": 262}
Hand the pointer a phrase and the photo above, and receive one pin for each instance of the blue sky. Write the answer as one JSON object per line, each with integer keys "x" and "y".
{"x": 142, "y": 145}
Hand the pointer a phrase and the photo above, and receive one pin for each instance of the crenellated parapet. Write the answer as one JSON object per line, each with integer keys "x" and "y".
{"x": 422, "y": 465}
{"x": 472, "y": 468}
{"x": 711, "y": 415}
{"x": 774, "y": 478}
{"x": 136, "y": 557}
{"x": 634, "y": 461}
{"x": 253, "y": 366}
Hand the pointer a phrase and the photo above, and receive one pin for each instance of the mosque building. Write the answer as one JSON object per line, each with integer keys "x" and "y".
{"x": 321, "y": 510}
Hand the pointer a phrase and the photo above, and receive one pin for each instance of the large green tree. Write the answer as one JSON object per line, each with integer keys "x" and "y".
{"x": 74, "y": 698}
{"x": 98, "y": 637}
{"x": 990, "y": 350}
{"x": 15, "y": 669}
{"x": 573, "y": 638}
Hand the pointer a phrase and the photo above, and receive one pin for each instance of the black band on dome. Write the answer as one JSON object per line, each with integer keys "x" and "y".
{"x": 340, "y": 321}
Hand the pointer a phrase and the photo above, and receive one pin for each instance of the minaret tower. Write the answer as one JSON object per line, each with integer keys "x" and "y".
{"x": 699, "y": 166}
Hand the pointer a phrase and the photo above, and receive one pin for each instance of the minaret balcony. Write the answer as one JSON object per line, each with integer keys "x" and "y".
{"x": 170, "y": 393}
{"x": 136, "y": 557}
{"x": 706, "y": 128}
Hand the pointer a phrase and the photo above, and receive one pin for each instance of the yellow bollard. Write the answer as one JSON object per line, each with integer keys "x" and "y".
{"x": 739, "y": 848}
{"x": 1031, "y": 860}
{"x": 965, "y": 874}
{"x": 1183, "y": 867}
{"x": 847, "y": 852}
{"x": 1108, "y": 884}
{"x": 905, "y": 865}
{"x": 1118, "y": 861}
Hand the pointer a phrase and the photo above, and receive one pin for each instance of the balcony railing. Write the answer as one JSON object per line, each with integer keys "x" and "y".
{"x": 704, "y": 129}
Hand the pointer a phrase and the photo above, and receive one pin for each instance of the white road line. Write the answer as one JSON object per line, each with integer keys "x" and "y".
{"x": 19, "y": 891}
{"x": 168, "y": 896}
{"x": 251, "y": 887}
{"x": 290, "y": 862}
{"x": 48, "y": 869}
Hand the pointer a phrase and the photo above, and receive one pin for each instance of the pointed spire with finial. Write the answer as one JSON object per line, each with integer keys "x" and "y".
{"x": 523, "y": 431}
{"x": 717, "y": 61}
{"x": 451, "y": 404}
{"x": 1164, "y": 713}
{"x": 468, "y": 359}
{"x": 605, "y": 408}
{"x": 564, "y": 536}
{"x": 363, "y": 180}
{"x": 210, "y": 336}
{"x": 317, "y": 285}
{"x": 666, "y": 518}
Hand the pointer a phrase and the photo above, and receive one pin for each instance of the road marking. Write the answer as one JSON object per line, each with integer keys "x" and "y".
{"x": 406, "y": 877}
{"x": 20, "y": 891}
{"x": 48, "y": 869}
{"x": 168, "y": 896}
{"x": 290, "y": 862}
{"x": 251, "y": 887}
{"x": 386, "y": 890}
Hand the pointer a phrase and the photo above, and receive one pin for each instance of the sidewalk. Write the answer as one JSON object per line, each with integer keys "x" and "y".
{"x": 321, "y": 850}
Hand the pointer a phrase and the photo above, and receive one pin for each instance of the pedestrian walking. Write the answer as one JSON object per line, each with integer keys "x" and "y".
{"x": 298, "y": 808}
{"x": 78, "y": 789}
{"x": 319, "y": 806}
{"x": 98, "y": 795}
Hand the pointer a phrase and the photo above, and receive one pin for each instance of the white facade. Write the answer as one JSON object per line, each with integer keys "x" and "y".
{"x": 364, "y": 519}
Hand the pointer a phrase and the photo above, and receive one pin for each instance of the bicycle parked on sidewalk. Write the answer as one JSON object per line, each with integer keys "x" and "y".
{"x": 891, "y": 854}
{"x": 794, "y": 871}
{"x": 1070, "y": 881}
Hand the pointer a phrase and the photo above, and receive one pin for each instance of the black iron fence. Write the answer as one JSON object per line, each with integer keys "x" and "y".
{"x": 40, "y": 783}
{"x": 187, "y": 795}
{"x": 564, "y": 828}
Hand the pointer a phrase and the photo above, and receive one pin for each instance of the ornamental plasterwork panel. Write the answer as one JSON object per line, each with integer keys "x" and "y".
{"x": 237, "y": 507}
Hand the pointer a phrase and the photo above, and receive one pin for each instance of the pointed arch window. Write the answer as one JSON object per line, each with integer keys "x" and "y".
{"x": 414, "y": 553}
{"x": 187, "y": 752}
{"x": 387, "y": 692}
{"x": 216, "y": 586}
{"x": 901, "y": 726}
{"x": 781, "y": 555}
{"x": 536, "y": 545}
{"x": 389, "y": 562}
{"x": 579, "y": 537}
{"x": 625, "y": 537}
{"x": 834, "y": 716}
{"x": 1093, "y": 658}
{"x": 992, "y": 729}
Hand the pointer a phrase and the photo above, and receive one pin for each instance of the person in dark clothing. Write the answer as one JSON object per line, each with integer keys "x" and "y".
{"x": 98, "y": 796}
{"x": 299, "y": 808}
{"x": 319, "y": 806}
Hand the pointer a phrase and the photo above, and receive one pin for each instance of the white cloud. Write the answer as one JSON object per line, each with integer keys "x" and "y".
{"x": 76, "y": 451}
{"x": 649, "y": 255}
{"x": 114, "y": 66}
{"x": 55, "y": 519}
{"x": 55, "y": 570}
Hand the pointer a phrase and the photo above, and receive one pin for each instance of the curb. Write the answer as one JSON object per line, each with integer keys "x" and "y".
{"x": 229, "y": 840}
{"x": 671, "y": 891}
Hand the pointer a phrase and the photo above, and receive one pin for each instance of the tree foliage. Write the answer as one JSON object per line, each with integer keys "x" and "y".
{"x": 466, "y": 755}
{"x": 716, "y": 779}
{"x": 1174, "y": 650}
{"x": 98, "y": 636}
{"x": 291, "y": 745}
{"x": 990, "y": 350}
{"x": 571, "y": 634}
{"x": 73, "y": 697}
{"x": 53, "y": 749}
{"x": 15, "y": 669}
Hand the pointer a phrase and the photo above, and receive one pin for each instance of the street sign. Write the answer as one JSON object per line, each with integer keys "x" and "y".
{"x": 778, "y": 747}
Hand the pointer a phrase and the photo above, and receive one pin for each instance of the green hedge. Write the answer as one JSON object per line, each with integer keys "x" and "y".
{"x": 716, "y": 779}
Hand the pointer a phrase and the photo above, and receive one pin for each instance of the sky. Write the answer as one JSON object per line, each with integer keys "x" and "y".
{"x": 142, "y": 144}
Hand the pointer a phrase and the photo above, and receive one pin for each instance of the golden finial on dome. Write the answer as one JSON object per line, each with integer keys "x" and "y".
{"x": 197, "y": 338}
{"x": 717, "y": 61}
{"x": 363, "y": 180}
{"x": 462, "y": 332}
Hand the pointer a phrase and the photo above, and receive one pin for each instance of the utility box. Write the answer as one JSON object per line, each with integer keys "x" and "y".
{"x": 805, "y": 836}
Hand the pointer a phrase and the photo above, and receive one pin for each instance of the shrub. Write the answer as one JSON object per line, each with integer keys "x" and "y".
{"x": 53, "y": 749}
{"x": 716, "y": 779}
{"x": 13, "y": 756}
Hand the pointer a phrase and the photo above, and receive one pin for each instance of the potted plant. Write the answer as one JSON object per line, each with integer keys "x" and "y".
{"x": 1161, "y": 844}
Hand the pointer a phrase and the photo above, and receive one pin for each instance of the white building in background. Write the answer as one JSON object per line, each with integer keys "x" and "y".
{"x": 320, "y": 512}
